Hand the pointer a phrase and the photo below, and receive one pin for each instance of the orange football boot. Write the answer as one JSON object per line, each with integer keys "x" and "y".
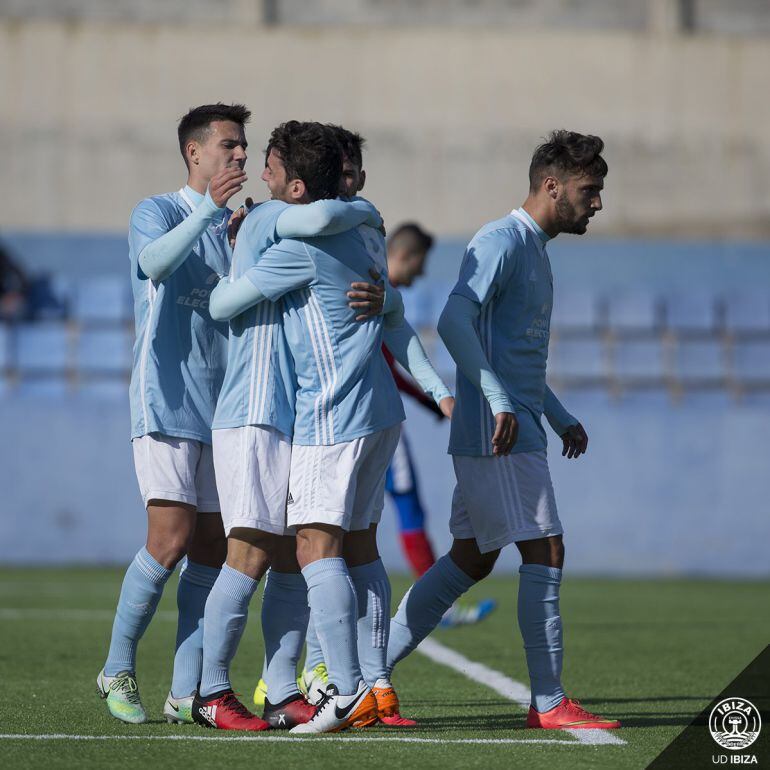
{"x": 388, "y": 707}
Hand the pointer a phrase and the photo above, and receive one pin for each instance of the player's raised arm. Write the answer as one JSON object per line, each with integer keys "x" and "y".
{"x": 457, "y": 328}
{"x": 326, "y": 217}
{"x": 166, "y": 252}
{"x": 402, "y": 341}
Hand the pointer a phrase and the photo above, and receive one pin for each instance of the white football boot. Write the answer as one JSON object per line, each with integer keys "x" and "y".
{"x": 337, "y": 712}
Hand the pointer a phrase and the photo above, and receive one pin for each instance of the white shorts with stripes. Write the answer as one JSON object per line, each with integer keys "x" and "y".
{"x": 342, "y": 484}
{"x": 252, "y": 465}
{"x": 502, "y": 500}
{"x": 176, "y": 469}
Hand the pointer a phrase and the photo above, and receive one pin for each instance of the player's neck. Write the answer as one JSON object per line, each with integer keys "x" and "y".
{"x": 197, "y": 183}
{"x": 539, "y": 211}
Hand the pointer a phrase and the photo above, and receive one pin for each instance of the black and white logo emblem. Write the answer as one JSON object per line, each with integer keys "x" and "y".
{"x": 734, "y": 723}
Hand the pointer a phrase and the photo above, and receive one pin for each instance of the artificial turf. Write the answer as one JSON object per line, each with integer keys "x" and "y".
{"x": 652, "y": 653}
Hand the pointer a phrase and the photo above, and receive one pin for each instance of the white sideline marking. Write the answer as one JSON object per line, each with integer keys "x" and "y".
{"x": 433, "y": 650}
{"x": 276, "y": 739}
{"x": 503, "y": 685}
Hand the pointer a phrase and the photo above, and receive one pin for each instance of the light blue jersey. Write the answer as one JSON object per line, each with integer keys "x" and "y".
{"x": 506, "y": 271}
{"x": 179, "y": 353}
{"x": 345, "y": 388}
{"x": 259, "y": 384}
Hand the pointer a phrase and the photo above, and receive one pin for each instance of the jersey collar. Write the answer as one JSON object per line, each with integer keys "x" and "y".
{"x": 191, "y": 197}
{"x": 521, "y": 214}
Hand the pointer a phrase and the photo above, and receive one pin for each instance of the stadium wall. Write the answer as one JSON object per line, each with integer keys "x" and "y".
{"x": 451, "y": 116}
{"x": 663, "y": 490}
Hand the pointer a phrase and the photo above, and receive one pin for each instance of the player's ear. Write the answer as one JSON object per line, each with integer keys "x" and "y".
{"x": 192, "y": 153}
{"x": 552, "y": 186}
{"x": 363, "y": 181}
{"x": 297, "y": 189}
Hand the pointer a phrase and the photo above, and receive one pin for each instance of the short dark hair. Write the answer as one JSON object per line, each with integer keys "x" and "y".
{"x": 310, "y": 152}
{"x": 196, "y": 123}
{"x": 567, "y": 152}
{"x": 411, "y": 233}
{"x": 351, "y": 142}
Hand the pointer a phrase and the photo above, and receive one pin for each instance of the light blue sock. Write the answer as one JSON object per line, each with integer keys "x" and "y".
{"x": 373, "y": 599}
{"x": 285, "y": 613}
{"x": 139, "y": 597}
{"x": 540, "y": 625}
{"x": 423, "y": 606}
{"x": 223, "y": 623}
{"x": 314, "y": 655}
{"x": 195, "y": 582}
{"x": 332, "y": 601}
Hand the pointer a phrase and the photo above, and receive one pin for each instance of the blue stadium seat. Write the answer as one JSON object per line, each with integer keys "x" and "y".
{"x": 699, "y": 362}
{"x": 639, "y": 362}
{"x": 115, "y": 390}
{"x": 751, "y": 363}
{"x": 104, "y": 352}
{"x": 747, "y": 312}
{"x": 691, "y": 313}
{"x": 633, "y": 312}
{"x": 50, "y": 387}
{"x": 573, "y": 362}
{"x": 102, "y": 300}
{"x": 6, "y": 354}
{"x": 575, "y": 312}
{"x": 42, "y": 349}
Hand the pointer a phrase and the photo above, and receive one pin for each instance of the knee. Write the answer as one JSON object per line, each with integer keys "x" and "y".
{"x": 557, "y": 552}
{"x": 471, "y": 561}
{"x": 170, "y": 549}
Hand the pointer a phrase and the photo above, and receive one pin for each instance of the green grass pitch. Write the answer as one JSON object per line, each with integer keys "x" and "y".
{"x": 652, "y": 653}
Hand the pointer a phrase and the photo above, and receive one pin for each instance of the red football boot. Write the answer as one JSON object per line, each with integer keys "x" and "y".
{"x": 289, "y": 713}
{"x": 225, "y": 712}
{"x": 569, "y": 715}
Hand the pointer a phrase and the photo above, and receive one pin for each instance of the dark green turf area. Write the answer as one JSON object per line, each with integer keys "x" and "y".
{"x": 652, "y": 653}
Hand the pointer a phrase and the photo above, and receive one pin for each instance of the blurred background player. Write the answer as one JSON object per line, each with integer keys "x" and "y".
{"x": 178, "y": 246}
{"x": 408, "y": 248}
{"x": 496, "y": 325}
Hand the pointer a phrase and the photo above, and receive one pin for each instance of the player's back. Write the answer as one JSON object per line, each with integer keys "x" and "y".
{"x": 345, "y": 387}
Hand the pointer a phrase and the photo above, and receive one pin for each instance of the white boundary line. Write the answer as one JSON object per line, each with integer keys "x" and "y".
{"x": 508, "y": 688}
{"x": 430, "y": 648}
{"x": 262, "y": 737}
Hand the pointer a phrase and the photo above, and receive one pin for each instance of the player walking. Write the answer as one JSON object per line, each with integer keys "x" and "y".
{"x": 496, "y": 326}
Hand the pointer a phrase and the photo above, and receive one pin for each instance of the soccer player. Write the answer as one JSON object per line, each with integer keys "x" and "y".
{"x": 496, "y": 326}
{"x": 346, "y": 425}
{"x": 252, "y": 432}
{"x": 177, "y": 246}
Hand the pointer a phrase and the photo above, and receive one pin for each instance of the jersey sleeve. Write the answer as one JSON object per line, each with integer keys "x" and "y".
{"x": 284, "y": 267}
{"x": 487, "y": 265}
{"x": 147, "y": 224}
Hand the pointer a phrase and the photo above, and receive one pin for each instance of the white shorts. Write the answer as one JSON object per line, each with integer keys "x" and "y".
{"x": 343, "y": 484}
{"x": 501, "y": 500}
{"x": 177, "y": 469}
{"x": 252, "y": 466}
